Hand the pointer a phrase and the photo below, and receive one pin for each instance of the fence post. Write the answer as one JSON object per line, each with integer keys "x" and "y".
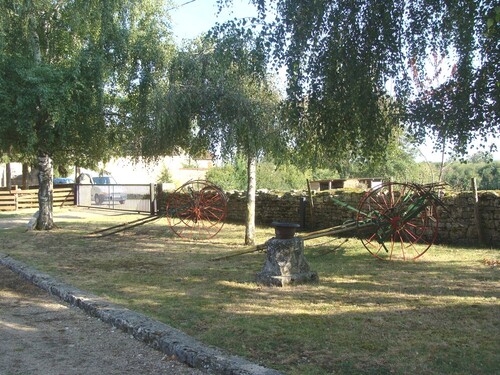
{"x": 152, "y": 199}
{"x": 75, "y": 191}
{"x": 477, "y": 214}
{"x": 16, "y": 197}
{"x": 311, "y": 205}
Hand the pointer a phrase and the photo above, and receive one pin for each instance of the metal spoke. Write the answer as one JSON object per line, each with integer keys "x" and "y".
{"x": 196, "y": 210}
{"x": 406, "y": 221}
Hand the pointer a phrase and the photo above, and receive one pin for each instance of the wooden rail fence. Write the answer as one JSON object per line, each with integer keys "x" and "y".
{"x": 16, "y": 198}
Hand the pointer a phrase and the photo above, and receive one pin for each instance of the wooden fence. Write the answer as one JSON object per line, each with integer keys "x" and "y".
{"x": 16, "y": 199}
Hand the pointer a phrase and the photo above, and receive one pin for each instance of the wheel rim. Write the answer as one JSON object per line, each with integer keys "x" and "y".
{"x": 196, "y": 210}
{"x": 405, "y": 218}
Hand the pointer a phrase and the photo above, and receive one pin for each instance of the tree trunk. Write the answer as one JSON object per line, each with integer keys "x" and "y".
{"x": 45, "y": 219}
{"x": 77, "y": 173}
{"x": 25, "y": 176}
{"x": 45, "y": 193}
{"x": 251, "y": 187}
{"x": 8, "y": 176}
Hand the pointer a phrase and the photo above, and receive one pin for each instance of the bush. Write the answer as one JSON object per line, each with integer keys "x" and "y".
{"x": 165, "y": 176}
{"x": 233, "y": 176}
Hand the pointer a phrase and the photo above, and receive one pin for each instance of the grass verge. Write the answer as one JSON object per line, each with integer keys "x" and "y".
{"x": 437, "y": 315}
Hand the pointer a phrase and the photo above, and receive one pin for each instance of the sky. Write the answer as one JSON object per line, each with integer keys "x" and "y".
{"x": 194, "y": 17}
{"x": 198, "y": 16}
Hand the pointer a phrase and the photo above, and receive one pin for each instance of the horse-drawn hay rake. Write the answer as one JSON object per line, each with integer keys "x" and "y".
{"x": 196, "y": 210}
{"x": 393, "y": 221}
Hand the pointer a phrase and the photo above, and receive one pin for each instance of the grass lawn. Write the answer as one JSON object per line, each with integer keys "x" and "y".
{"x": 437, "y": 315}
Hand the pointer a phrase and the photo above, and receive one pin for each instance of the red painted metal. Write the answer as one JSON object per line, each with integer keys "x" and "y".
{"x": 196, "y": 210}
{"x": 405, "y": 220}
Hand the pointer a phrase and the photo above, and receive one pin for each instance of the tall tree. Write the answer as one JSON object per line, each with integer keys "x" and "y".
{"x": 398, "y": 164}
{"x": 458, "y": 174}
{"x": 76, "y": 79}
{"x": 220, "y": 94}
{"x": 344, "y": 57}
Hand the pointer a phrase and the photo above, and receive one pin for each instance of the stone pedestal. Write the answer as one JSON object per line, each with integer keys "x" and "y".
{"x": 285, "y": 264}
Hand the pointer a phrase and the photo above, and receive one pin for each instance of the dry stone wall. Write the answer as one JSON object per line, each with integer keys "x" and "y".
{"x": 457, "y": 224}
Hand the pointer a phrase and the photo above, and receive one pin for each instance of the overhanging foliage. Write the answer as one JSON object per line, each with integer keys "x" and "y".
{"x": 345, "y": 58}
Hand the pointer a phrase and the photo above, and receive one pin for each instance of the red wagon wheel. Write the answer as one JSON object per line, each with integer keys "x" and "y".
{"x": 405, "y": 218}
{"x": 196, "y": 210}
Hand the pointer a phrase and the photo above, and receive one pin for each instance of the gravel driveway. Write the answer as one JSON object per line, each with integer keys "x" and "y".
{"x": 39, "y": 335}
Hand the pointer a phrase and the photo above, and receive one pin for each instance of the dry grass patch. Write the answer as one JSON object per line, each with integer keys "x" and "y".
{"x": 437, "y": 315}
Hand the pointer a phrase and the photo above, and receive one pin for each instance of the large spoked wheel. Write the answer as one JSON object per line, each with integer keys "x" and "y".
{"x": 404, "y": 218}
{"x": 196, "y": 210}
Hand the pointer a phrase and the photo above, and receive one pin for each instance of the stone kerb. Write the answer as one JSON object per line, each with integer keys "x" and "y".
{"x": 157, "y": 335}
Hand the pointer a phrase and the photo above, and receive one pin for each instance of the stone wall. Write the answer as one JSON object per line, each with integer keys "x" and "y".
{"x": 456, "y": 223}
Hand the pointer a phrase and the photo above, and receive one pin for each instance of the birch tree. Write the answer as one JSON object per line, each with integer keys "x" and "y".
{"x": 76, "y": 79}
{"x": 344, "y": 58}
{"x": 220, "y": 94}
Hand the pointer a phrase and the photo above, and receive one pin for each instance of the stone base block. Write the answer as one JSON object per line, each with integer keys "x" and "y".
{"x": 285, "y": 264}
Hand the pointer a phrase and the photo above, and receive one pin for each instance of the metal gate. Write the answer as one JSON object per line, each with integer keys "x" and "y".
{"x": 139, "y": 198}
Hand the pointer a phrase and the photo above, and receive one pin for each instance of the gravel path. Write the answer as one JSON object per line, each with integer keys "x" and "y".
{"x": 39, "y": 335}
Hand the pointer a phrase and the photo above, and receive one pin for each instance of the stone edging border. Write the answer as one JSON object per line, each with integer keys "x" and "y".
{"x": 157, "y": 335}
